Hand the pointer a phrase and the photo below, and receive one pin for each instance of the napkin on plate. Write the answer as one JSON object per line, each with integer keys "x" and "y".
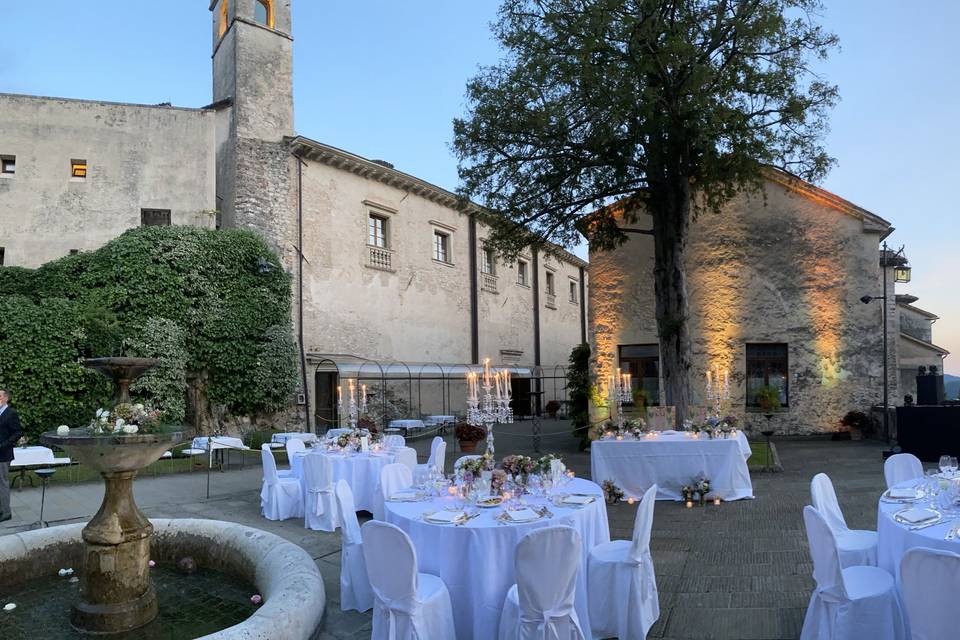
{"x": 447, "y": 516}
{"x": 917, "y": 514}
{"x": 523, "y": 515}
{"x": 578, "y": 499}
{"x": 404, "y": 494}
{"x": 902, "y": 492}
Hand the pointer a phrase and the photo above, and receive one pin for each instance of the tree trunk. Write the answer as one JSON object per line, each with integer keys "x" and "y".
{"x": 670, "y": 209}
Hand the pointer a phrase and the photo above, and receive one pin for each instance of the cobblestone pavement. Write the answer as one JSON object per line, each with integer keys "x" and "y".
{"x": 738, "y": 571}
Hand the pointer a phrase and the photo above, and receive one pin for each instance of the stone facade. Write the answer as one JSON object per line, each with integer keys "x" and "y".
{"x": 785, "y": 266}
{"x": 915, "y": 344}
{"x": 137, "y": 157}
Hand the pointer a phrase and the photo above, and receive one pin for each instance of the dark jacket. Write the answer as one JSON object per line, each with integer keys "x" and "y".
{"x": 10, "y": 432}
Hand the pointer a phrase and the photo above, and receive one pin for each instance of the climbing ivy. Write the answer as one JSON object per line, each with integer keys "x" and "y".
{"x": 216, "y": 303}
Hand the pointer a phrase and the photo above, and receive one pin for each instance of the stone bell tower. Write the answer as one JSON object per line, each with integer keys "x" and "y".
{"x": 253, "y": 90}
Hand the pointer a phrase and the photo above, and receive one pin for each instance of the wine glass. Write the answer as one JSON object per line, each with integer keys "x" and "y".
{"x": 933, "y": 488}
{"x": 953, "y": 465}
{"x": 944, "y": 464}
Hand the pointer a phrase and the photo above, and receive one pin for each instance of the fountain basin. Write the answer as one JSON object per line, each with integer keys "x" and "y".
{"x": 283, "y": 573}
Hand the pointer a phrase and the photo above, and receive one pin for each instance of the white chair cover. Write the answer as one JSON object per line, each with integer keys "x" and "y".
{"x": 621, "y": 582}
{"x": 320, "y": 503}
{"x": 902, "y": 467}
{"x": 857, "y": 547}
{"x": 394, "y": 440}
{"x": 408, "y": 458}
{"x": 282, "y": 473}
{"x": 279, "y": 497}
{"x": 355, "y": 591}
{"x": 294, "y": 445}
{"x": 541, "y": 605}
{"x": 437, "y": 460}
{"x": 929, "y": 582}
{"x": 408, "y": 605}
{"x": 848, "y": 604}
{"x": 393, "y": 478}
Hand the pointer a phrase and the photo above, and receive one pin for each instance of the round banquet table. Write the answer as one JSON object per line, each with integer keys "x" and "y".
{"x": 476, "y": 559}
{"x": 360, "y": 470}
{"x": 896, "y": 539}
{"x": 672, "y": 459}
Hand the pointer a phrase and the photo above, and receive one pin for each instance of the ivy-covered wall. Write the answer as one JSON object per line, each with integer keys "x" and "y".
{"x": 215, "y": 304}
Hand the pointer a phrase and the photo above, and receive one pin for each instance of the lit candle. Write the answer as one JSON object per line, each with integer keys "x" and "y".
{"x": 716, "y": 500}
{"x": 339, "y": 395}
{"x": 452, "y": 490}
{"x": 689, "y": 504}
{"x": 709, "y": 382}
{"x": 630, "y": 500}
{"x": 486, "y": 372}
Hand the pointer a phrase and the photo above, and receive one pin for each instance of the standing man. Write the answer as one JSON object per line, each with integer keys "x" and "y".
{"x": 9, "y": 434}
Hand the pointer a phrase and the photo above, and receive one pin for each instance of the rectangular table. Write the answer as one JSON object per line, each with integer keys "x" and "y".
{"x": 27, "y": 458}
{"x": 672, "y": 460}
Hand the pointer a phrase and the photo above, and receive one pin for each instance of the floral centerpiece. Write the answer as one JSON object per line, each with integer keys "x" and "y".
{"x": 635, "y": 428}
{"x": 611, "y": 492}
{"x": 687, "y": 491}
{"x": 126, "y": 419}
{"x": 702, "y": 487}
{"x": 351, "y": 439}
{"x": 471, "y": 469}
{"x": 545, "y": 463}
{"x": 517, "y": 465}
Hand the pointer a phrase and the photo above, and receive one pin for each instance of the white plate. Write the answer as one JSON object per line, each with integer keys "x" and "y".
{"x": 446, "y": 519}
{"x": 489, "y": 505}
{"x": 935, "y": 516}
{"x": 523, "y": 515}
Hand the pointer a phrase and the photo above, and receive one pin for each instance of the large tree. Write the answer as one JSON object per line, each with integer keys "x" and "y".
{"x": 669, "y": 106}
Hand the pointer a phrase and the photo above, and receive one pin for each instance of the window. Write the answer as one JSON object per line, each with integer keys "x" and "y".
{"x": 8, "y": 164}
{"x": 642, "y": 362}
{"x": 487, "y": 262}
{"x": 263, "y": 12}
{"x": 222, "y": 26}
{"x": 767, "y": 366}
{"x": 522, "y": 273}
{"x": 441, "y": 246}
{"x": 573, "y": 291}
{"x": 78, "y": 169}
{"x": 2, "y": 251}
{"x": 74, "y": 252}
{"x": 377, "y": 231}
{"x": 155, "y": 217}
{"x": 551, "y": 290}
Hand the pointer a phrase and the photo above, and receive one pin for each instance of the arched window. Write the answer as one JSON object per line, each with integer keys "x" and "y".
{"x": 222, "y": 28}
{"x": 263, "y": 12}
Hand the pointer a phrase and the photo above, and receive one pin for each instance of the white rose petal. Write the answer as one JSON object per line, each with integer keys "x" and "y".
{"x": 120, "y": 422}
{"x": 9, "y": 606}
{"x": 63, "y": 430}
{"x": 130, "y": 428}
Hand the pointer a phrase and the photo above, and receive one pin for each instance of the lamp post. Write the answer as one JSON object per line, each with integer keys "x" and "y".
{"x": 901, "y": 273}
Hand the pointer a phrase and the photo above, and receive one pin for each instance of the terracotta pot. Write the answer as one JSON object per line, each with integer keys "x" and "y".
{"x": 468, "y": 446}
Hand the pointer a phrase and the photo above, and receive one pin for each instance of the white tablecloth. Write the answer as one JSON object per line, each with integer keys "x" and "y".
{"x": 672, "y": 460}
{"x": 281, "y": 438}
{"x": 360, "y": 470}
{"x": 218, "y": 442}
{"x": 436, "y": 420}
{"x": 406, "y": 424}
{"x": 30, "y": 456}
{"x": 476, "y": 560}
{"x": 895, "y": 539}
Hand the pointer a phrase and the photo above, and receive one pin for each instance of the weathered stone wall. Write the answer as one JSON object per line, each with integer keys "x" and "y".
{"x": 137, "y": 157}
{"x": 773, "y": 267}
{"x": 915, "y": 324}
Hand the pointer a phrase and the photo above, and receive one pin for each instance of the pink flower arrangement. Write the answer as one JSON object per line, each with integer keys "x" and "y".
{"x": 256, "y": 599}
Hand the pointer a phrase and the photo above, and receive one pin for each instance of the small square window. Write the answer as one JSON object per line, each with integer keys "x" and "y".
{"x": 74, "y": 252}
{"x": 78, "y": 169}
{"x": 155, "y": 217}
{"x": 573, "y": 291}
{"x": 377, "y": 231}
{"x": 8, "y": 164}
{"x": 441, "y": 246}
{"x": 522, "y": 273}
{"x": 487, "y": 262}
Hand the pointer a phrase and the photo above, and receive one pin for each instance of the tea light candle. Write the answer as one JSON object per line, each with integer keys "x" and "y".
{"x": 716, "y": 500}
{"x": 452, "y": 490}
{"x": 630, "y": 500}
{"x": 689, "y": 504}
{"x": 619, "y": 437}
{"x": 571, "y": 474}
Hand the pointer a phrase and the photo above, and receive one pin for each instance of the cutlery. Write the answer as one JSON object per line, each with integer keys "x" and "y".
{"x": 467, "y": 519}
{"x": 952, "y": 533}
{"x": 930, "y": 524}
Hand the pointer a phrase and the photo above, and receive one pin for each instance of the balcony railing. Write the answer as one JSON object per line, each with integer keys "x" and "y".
{"x": 551, "y": 301}
{"x": 380, "y": 259}
{"x": 488, "y": 282}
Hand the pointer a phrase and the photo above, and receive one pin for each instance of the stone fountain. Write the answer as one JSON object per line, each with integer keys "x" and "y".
{"x": 116, "y": 593}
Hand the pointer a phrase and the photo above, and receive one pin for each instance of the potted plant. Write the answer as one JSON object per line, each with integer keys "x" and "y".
{"x": 552, "y": 408}
{"x": 641, "y": 399}
{"x": 469, "y": 435}
{"x": 857, "y": 422}
{"x": 768, "y": 399}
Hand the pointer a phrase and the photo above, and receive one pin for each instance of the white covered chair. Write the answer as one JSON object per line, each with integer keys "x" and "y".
{"x": 848, "y": 604}
{"x": 856, "y": 546}
{"x": 540, "y": 606}
{"x": 320, "y": 503}
{"x": 394, "y": 440}
{"x": 408, "y": 605}
{"x": 355, "y": 591}
{"x": 437, "y": 460}
{"x": 293, "y": 446}
{"x": 279, "y": 497}
{"x": 408, "y": 458}
{"x": 621, "y": 583}
{"x": 902, "y": 467}
{"x": 929, "y": 582}
{"x": 393, "y": 478}
{"x": 282, "y": 473}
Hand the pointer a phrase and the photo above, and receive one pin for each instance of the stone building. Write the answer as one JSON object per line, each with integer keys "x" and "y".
{"x": 386, "y": 266}
{"x": 915, "y": 343}
{"x": 774, "y": 287}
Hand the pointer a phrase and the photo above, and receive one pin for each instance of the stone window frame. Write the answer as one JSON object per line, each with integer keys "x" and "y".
{"x": 573, "y": 290}
{"x": 148, "y": 215}
{"x": 550, "y": 281}
{"x": 523, "y": 272}
{"x": 488, "y": 261}
{"x": 785, "y": 401}
{"x": 267, "y": 6}
{"x": 79, "y": 169}
{"x": 440, "y": 229}
{"x": 377, "y": 257}
{"x": 8, "y": 161}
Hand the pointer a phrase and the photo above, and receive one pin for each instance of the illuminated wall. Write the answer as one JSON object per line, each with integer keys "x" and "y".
{"x": 785, "y": 266}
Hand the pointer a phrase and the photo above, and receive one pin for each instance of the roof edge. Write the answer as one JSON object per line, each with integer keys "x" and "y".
{"x": 107, "y": 102}
{"x": 924, "y": 343}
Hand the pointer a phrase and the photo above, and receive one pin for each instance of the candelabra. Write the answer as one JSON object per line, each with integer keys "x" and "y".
{"x": 718, "y": 388}
{"x": 355, "y": 406}
{"x": 493, "y": 408}
{"x": 620, "y": 391}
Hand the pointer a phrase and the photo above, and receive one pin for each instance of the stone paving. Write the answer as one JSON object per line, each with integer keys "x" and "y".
{"x": 738, "y": 571}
